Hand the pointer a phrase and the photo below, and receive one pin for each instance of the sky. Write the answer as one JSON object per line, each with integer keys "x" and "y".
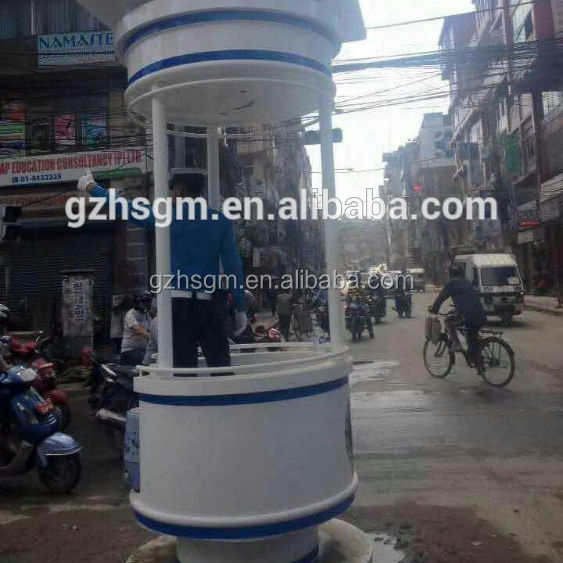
{"x": 368, "y": 134}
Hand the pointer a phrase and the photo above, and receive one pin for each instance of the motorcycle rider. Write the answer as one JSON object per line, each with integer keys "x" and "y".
{"x": 136, "y": 330}
{"x": 357, "y": 294}
{"x": 199, "y": 248}
{"x": 467, "y": 302}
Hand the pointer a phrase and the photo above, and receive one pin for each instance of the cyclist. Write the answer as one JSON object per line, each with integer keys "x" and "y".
{"x": 467, "y": 302}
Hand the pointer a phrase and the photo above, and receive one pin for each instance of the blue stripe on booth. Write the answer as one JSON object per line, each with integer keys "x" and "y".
{"x": 245, "y": 398}
{"x": 230, "y": 55}
{"x": 214, "y": 16}
{"x": 246, "y": 533}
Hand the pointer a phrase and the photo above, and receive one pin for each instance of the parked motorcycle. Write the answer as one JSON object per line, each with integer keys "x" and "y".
{"x": 403, "y": 305}
{"x": 30, "y": 437}
{"x": 111, "y": 396}
{"x": 27, "y": 352}
{"x": 268, "y": 336}
{"x": 258, "y": 336}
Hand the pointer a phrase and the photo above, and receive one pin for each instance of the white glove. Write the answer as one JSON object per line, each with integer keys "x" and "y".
{"x": 86, "y": 181}
{"x": 241, "y": 322}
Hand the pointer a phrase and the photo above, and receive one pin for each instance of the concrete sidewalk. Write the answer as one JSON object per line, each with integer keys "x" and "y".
{"x": 543, "y": 305}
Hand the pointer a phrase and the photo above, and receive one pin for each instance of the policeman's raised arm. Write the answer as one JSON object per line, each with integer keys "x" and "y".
{"x": 87, "y": 184}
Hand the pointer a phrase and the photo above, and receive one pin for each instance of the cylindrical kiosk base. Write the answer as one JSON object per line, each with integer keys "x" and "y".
{"x": 333, "y": 542}
{"x": 246, "y": 467}
{"x": 299, "y": 547}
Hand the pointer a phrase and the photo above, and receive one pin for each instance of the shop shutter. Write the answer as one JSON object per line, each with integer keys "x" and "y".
{"x": 37, "y": 261}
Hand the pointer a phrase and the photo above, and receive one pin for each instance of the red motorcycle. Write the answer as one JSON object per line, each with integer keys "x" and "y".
{"x": 26, "y": 352}
{"x": 271, "y": 336}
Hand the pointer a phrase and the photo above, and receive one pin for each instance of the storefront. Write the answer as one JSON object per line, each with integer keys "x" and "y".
{"x": 551, "y": 212}
{"x": 30, "y": 269}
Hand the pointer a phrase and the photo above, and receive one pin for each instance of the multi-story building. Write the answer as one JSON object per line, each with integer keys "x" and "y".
{"x": 362, "y": 244}
{"x": 504, "y": 67}
{"x": 403, "y": 244}
{"x": 539, "y": 26}
{"x": 432, "y": 176}
{"x": 62, "y": 113}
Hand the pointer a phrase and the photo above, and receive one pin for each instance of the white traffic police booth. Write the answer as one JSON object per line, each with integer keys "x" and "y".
{"x": 242, "y": 468}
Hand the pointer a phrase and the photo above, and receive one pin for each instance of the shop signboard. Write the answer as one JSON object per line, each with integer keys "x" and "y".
{"x": 528, "y": 215}
{"x": 80, "y": 48}
{"x": 551, "y": 209}
{"x": 57, "y": 168}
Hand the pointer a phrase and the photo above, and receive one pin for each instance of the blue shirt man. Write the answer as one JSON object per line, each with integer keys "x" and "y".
{"x": 201, "y": 247}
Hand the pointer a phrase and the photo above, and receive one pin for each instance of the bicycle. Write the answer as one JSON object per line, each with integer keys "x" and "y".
{"x": 495, "y": 357}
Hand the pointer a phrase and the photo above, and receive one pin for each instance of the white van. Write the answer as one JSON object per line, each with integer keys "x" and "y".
{"x": 498, "y": 280}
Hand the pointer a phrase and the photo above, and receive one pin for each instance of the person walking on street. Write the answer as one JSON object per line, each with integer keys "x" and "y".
{"x": 284, "y": 313}
{"x": 273, "y": 299}
{"x": 152, "y": 343}
{"x": 136, "y": 331}
{"x": 120, "y": 306}
{"x": 202, "y": 243}
{"x": 558, "y": 284}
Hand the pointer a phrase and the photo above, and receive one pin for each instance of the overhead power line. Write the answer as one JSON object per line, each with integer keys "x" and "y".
{"x": 438, "y": 18}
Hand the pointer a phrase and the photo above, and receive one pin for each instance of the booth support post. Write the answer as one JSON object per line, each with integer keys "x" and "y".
{"x": 213, "y": 170}
{"x": 330, "y": 225}
{"x": 162, "y": 234}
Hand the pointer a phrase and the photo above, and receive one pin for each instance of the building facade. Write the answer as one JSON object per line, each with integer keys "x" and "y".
{"x": 504, "y": 65}
{"x": 61, "y": 113}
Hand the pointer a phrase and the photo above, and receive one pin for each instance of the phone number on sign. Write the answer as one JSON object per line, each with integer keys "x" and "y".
{"x": 36, "y": 178}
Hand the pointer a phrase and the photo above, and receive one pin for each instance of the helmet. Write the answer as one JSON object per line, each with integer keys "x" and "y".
{"x": 142, "y": 300}
{"x": 4, "y": 312}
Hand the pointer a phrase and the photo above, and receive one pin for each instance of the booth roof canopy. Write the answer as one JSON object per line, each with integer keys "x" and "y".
{"x": 349, "y": 15}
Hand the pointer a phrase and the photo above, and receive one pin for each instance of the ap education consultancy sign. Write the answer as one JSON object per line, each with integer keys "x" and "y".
{"x": 56, "y": 168}
{"x": 79, "y": 48}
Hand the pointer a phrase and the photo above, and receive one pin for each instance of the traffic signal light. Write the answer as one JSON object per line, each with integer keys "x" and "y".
{"x": 314, "y": 137}
{"x": 10, "y": 227}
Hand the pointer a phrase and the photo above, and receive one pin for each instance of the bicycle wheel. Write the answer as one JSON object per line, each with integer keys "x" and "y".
{"x": 439, "y": 358}
{"x": 498, "y": 361}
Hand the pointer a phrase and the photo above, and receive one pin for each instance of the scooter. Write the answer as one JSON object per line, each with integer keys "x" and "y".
{"x": 111, "y": 396}
{"x": 26, "y": 352}
{"x": 271, "y": 336}
{"x": 30, "y": 435}
{"x": 258, "y": 336}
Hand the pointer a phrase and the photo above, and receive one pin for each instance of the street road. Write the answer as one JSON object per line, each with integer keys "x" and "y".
{"x": 459, "y": 443}
{"x": 475, "y": 473}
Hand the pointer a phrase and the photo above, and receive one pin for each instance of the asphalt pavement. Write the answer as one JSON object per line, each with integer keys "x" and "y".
{"x": 458, "y": 443}
{"x": 452, "y": 470}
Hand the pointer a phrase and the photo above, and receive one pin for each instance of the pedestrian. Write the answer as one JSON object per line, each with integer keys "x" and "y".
{"x": 136, "y": 330}
{"x": 120, "y": 306}
{"x": 152, "y": 343}
{"x": 201, "y": 243}
{"x": 284, "y": 313}
{"x": 558, "y": 282}
{"x": 273, "y": 299}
